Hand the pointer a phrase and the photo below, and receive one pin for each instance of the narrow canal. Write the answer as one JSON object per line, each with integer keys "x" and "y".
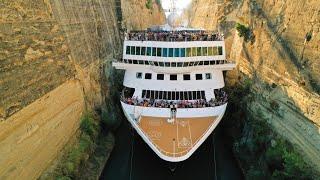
{"x": 132, "y": 159}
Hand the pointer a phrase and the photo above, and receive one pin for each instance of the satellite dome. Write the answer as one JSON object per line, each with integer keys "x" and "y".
{"x": 173, "y": 20}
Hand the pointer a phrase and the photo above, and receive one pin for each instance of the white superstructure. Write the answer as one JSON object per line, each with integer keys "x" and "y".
{"x": 173, "y": 88}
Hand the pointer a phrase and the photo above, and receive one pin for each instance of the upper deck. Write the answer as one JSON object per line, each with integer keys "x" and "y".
{"x": 174, "y": 36}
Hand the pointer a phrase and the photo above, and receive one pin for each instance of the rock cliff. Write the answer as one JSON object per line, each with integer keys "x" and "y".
{"x": 283, "y": 65}
{"x": 52, "y": 56}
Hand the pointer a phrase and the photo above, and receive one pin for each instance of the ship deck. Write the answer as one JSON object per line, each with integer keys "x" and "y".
{"x": 178, "y": 138}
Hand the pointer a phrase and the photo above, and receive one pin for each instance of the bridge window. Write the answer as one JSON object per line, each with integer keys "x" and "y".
{"x": 159, "y": 52}
{"x": 138, "y": 51}
{"x": 143, "y": 51}
{"x": 199, "y": 51}
{"x": 189, "y": 52}
{"x": 133, "y": 50}
{"x": 149, "y": 51}
{"x": 139, "y": 75}
{"x": 220, "y": 50}
{"x": 165, "y": 52}
{"x": 204, "y": 51}
{"x": 160, "y": 76}
{"x": 176, "y": 52}
{"x": 194, "y": 51}
{"x": 173, "y": 77}
{"x": 198, "y": 76}
{"x": 215, "y": 51}
{"x": 148, "y": 76}
{"x": 210, "y": 51}
{"x": 128, "y": 50}
{"x": 170, "y": 52}
{"x": 154, "y": 51}
{"x": 186, "y": 77}
{"x": 182, "y": 52}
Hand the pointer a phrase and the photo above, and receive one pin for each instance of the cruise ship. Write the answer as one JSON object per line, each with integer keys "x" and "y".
{"x": 173, "y": 87}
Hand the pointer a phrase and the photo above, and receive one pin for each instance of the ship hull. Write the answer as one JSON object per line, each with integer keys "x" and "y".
{"x": 175, "y": 141}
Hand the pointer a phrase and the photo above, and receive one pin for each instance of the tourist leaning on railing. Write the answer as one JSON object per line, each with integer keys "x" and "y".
{"x": 174, "y": 36}
{"x": 220, "y": 100}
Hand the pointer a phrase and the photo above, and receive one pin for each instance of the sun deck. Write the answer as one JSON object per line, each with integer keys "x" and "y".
{"x": 178, "y": 138}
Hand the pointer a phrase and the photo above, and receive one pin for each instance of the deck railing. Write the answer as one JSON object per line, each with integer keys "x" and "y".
{"x": 175, "y": 64}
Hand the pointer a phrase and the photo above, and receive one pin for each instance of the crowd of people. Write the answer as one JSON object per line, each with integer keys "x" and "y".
{"x": 220, "y": 99}
{"x": 174, "y": 36}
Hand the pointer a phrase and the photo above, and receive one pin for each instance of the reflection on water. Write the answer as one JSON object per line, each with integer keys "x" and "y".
{"x": 143, "y": 163}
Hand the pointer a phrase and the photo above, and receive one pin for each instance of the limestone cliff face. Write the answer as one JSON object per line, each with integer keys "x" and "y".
{"x": 52, "y": 56}
{"x": 137, "y": 17}
{"x": 279, "y": 56}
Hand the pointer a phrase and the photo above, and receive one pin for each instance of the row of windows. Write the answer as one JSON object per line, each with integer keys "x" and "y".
{"x": 173, "y": 95}
{"x": 173, "y": 77}
{"x": 175, "y": 64}
{"x": 174, "y": 52}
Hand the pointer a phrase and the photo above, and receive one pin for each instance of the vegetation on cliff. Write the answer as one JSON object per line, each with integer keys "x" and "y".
{"x": 262, "y": 153}
{"x": 92, "y": 141}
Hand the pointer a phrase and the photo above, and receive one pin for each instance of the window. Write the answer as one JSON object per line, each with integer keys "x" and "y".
{"x": 173, "y": 94}
{"x": 144, "y": 93}
{"x": 185, "y": 95}
{"x": 198, "y": 76}
{"x": 204, "y": 51}
{"x": 185, "y": 64}
{"x": 167, "y": 64}
{"x": 160, "y": 94}
{"x": 156, "y": 95}
{"x": 148, "y": 94}
{"x": 201, "y": 63}
{"x": 173, "y": 64}
{"x": 210, "y": 51}
{"x": 181, "y": 95}
{"x": 212, "y": 62}
{"x": 189, "y": 95}
{"x": 128, "y": 50}
{"x": 220, "y": 50}
{"x": 159, "y": 52}
{"x": 154, "y": 51}
{"x": 143, "y": 51}
{"x": 194, "y": 94}
{"x": 176, "y": 52}
{"x": 170, "y": 52}
{"x": 161, "y": 64}
{"x": 169, "y": 95}
{"x": 138, "y": 49}
{"x": 140, "y": 62}
{"x": 182, "y": 52}
{"x": 152, "y": 95}
{"x": 215, "y": 51}
{"x": 198, "y": 95}
{"x": 203, "y": 95}
{"x": 130, "y": 61}
{"x": 133, "y": 50}
{"x": 156, "y": 63}
{"x": 179, "y": 64}
{"x": 146, "y": 62}
{"x": 135, "y": 61}
{"x": 189, "y": 52}
{"x": 199, "y": 51}
{"x": 194, "y": 51}
{"x": 148, "y": 76}
{"x": 208, "y": 76}
{"x": 148, "y": 51}
{"x": 186, "y": 77}
{"x": 165, "y": 95}
{"x": 165, "y": 52}
{"x": 160, "y": 76}
{"x": 139, "y": 75}
{"x": 173, "y": 77}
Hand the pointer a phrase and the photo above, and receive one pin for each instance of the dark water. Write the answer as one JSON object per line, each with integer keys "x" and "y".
{"x": 133, "y": 159}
